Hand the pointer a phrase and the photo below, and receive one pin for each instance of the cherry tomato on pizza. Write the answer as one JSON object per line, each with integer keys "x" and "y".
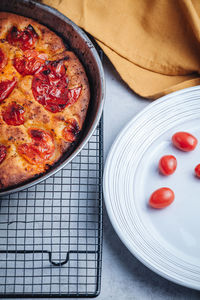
{"x": 50, "y": 87}
{"x": 40, "y": 149}
{"x": 73, "y": 95}
{"x": 29, "y": 154}
{"x": 71, "y": 130}
{"x": 13, "y": 114}
{"x": 42, "y": 142}
{"x": 25, "y": 39}
{"x": 30, "y": 62}
{"x": 3, "y": 59}
{"x": 3, "y": 152}
{"x": 6, "y": 87}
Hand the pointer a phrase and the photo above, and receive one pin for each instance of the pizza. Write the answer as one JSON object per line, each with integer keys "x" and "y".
{"x": 44, "y": 97}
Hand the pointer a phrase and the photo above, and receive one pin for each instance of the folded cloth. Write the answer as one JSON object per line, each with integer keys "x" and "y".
{"x": 153, "y": 44}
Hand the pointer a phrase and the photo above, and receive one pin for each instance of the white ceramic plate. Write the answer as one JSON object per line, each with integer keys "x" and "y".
{"x": 166, "y": 240}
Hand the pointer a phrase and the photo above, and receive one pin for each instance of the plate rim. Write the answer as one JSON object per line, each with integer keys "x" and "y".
{"x": 108, "y": 203}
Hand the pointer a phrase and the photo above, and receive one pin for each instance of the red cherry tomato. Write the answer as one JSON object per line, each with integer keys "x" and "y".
{"x": 29, "y": 153}
{"x": 30, "y": 62}
{"x": 161, "y": 198}
{"x": 25, "y": 39}
{"x": 6, "y": 87}
{"x": 41, "y": 148}
{"x": 14, "y": 114}
{"x": 3, "y": 152}
{"x": 70, "y": 130}
{"x": 73, "y": 95}
{"x": 42, "y": 142}
{"x": 50, "y": 87}
{"x": 3, "y": 59}
{"x": 197, "y": 170}
{"x": 184, "y": 141}
{"x": 167, "y": 164}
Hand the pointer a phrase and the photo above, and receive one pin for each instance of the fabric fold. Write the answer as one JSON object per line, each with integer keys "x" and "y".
{"x": 154, "y": 45}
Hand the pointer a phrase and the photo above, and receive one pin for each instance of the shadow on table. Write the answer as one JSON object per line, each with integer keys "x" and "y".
{"x": 142, "y": 276}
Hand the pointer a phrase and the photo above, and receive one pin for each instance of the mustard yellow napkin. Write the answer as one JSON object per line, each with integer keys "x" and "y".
{"x": 153, "y": 44}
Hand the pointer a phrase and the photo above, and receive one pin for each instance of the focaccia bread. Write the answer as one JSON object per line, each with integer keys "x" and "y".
{"x": 44, "y": 97}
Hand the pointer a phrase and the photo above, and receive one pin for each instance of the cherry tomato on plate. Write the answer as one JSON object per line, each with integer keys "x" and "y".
{"x": 161, "y": 198}
{"x": 197, "y": 170}
{"x": 167, "y": 165}
{"x": 184, "y": 141}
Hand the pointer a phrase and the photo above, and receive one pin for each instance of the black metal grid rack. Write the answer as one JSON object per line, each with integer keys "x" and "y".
{"x": 51, "y": 233}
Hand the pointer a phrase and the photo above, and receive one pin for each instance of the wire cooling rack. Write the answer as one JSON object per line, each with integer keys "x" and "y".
{"x": 51, "y": 234}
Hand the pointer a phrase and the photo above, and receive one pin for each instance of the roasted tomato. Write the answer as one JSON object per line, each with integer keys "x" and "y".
{"x": 40, "y": 149}
{"x": 30, "y": 62}
{"x": 73, "y": 95}
{"x": 29, "y": 153}
{"x": 161, "y": 198}
{"x": 3, "y": 152}
{"x": 6, "y": 87}
{"x": 70, "y": 130}
{"x": 24, "y": 39}
{"x": 167, "y": 164}
{"x": 42, "y": 142}
{"x": 14, "y": 114}
{"x": 184, "y": 141}
{"x": 50, "y": 87}
{"x": 3, "y": 59}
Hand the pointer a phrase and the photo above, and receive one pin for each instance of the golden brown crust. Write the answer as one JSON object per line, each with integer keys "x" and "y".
{"x": 15, "y": 168}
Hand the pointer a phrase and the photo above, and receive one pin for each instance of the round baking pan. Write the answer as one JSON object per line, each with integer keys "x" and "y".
{"x": 79, "y": 42}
